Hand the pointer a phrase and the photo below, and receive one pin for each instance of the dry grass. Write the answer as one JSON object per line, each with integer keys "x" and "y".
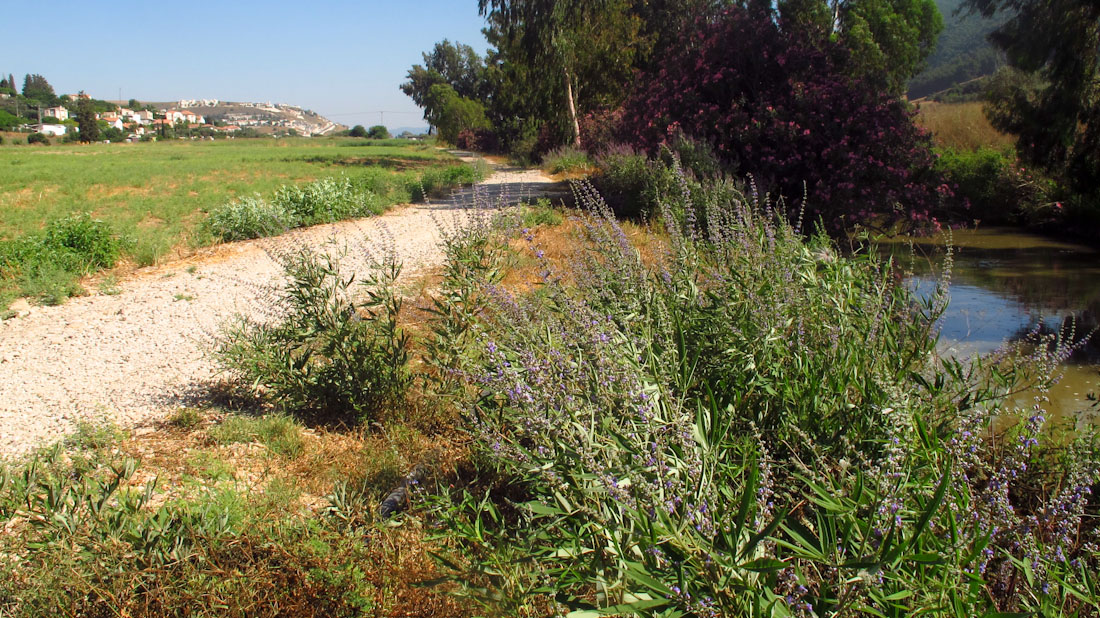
{"x": 961, "y": 125}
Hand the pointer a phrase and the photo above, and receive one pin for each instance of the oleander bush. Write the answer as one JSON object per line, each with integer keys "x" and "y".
{"x": 777, "y": 108}
{"x": 751, "y": 424}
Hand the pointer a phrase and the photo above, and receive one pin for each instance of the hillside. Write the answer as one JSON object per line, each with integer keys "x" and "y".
{"x": 962, "y": 53}
{"x": 263, "y": 117}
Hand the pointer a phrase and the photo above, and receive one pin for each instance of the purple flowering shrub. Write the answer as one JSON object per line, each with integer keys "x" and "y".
{"x": 782, "y": 110}
{"x": 753, "y": 425}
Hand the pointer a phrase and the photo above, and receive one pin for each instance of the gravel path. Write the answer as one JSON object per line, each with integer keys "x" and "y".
{"x": 133, "y": 357}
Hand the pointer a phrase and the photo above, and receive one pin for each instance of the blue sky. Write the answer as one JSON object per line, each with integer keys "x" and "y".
{"x": 340, "y": 59}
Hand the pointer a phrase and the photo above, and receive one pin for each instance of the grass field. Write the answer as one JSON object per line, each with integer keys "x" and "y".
{"x": 962, "y": 126}
{"x": 155, "y": 196}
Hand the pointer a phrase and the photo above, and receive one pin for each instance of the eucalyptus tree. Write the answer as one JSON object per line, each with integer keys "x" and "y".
{"x": 1052, "y": 103}
{"x": 888, "y": 40}
{"x": 572, "y": 54}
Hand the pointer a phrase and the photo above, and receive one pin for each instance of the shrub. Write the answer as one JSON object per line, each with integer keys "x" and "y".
{"x": 38, "y": 138}
{"x": 996, "y": 189}
{"x": 635, "y": 186}
{"x": 46, "y": 265}
{"x": 754, "y": 425}
{"x": 325, "y": 201}
{"x": 775, "y": 107}
{"x": 90, "y": 243}
{"x": 249, "y": 217}
{"x": 437, "y": 181}
{"x": 330, "y": 355}
{"x": 358, "y": 131}
{"x": 478, "y": 140}
{"x": 378, "y": 132}
{"x": 565, "y": 159}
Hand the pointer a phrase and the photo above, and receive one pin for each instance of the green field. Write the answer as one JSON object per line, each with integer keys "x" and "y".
{"x": 160, "y": 190}
{"x": 153, "y": 197}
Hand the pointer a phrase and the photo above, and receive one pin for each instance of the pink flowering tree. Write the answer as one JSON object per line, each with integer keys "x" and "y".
{"x": 785, "y": 112}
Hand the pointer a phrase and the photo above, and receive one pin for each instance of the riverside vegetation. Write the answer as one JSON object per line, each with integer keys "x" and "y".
{"x": 72, "y": 210}
{"x": 713, "y": 414}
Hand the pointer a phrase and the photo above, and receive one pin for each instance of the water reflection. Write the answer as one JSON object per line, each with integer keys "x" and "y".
{"x": 1005, "y": 285}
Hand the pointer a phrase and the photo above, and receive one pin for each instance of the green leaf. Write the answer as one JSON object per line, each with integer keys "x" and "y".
{"x": 766, "y": 532}
{"x": 897, "y": 596}
{"x": 937, "y": 500}
{"x": 638, "y": 573}
{"x": 617, "y": 610}
{"x": 763, "y": 565}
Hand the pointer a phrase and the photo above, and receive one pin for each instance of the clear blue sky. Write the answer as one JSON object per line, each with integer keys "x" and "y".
{"x": 340, "y": 59}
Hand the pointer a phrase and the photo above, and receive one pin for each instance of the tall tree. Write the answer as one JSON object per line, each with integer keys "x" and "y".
{"x": 36, "y": 87}
{"x": 888, "y": 39}
{"x": 1053, "y": 103}
{"x": 85, "y": 120}
{"x": 572, "y": 52}
{"x": 454, "y": 64}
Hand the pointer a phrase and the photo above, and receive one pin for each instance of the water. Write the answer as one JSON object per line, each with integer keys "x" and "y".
{"x": 1004, "y": 284}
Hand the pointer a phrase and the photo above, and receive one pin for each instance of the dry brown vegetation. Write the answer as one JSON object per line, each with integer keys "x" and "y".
{"x": 961, "y": 125}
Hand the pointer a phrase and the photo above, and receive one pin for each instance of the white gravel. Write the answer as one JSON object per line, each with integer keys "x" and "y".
{"x": 133, "y": 357}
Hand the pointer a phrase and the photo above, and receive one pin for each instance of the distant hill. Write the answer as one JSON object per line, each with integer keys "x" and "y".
{"x": 263, "y": 117}
{"x": 963, "y": 53}
{"x": 413, "y": 130}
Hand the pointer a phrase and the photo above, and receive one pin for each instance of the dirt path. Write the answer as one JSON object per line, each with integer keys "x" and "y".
{"x": 134, "y": 356}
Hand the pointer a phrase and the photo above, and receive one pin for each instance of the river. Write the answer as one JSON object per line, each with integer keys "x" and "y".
{"x": 1004, "y": 283}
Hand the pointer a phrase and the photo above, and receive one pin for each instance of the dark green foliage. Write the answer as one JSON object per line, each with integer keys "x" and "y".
{"x": 1054, "y": 109}
{"x": 451, "y": 113}
{"x": 36, "y": 87}
{"x": 358, "y": 131}
{"x": 378, "y": 132}
{"x": 10, "y": 121}
{"x": 332, "y": 356}
{"x": 86, "y": 120}
{"x": 38, "y": 138}
{"x": 783, "y": 110}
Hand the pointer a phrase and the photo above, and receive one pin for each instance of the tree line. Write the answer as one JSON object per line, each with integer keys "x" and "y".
{"x": 812, "y": 102}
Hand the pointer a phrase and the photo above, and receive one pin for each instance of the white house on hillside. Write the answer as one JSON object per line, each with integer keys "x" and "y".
{"x": 56, "y": 112}
{"x": 57, "y": 130}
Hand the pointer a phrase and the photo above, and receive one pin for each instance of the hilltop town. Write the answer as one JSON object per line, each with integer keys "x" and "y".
{"x": 39, "y": 110}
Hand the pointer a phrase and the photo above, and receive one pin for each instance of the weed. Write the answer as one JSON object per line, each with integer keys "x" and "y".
{"x": 208, "y": 466}
{"x": 751, "y": 422}
{"x": 332, "y": 355}
{"x": 280, "y": 434}
{"x": 566, "y": 160}
{"x": 109, "y": 286}
{"x": 185, "y": 418}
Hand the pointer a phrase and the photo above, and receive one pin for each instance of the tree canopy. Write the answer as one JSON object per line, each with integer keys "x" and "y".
{"x": 454, "y": 64}
{"x": 1052, "y": 102}
{"x": 36, "y": 87}
{"x": 888, "y": 39}
{"x": 86, "y": 120}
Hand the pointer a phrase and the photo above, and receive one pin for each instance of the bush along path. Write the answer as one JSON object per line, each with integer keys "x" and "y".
{"x": 131, "y": 352}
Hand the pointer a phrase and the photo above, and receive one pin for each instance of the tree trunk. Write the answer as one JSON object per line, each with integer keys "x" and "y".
{"x": 572, "y": 110}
